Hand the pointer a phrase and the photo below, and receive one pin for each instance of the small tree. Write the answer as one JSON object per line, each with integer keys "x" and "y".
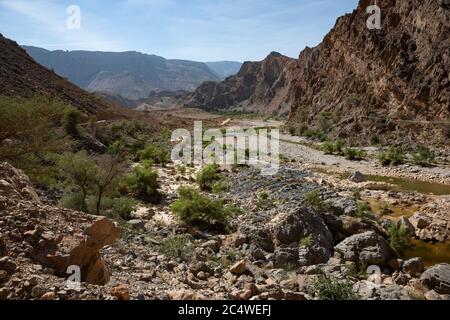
{"x": 107, "y": 175}
{"x": 79, "y": 170}
{"x": 143, "y": 183}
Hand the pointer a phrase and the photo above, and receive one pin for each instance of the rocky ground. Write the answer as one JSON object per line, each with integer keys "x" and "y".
{"x": 276, "y": 248}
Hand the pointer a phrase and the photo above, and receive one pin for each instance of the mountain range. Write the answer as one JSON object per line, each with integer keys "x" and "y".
{"x": 132, "y": 75}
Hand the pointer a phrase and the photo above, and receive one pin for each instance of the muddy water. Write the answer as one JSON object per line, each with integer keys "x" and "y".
{"x": 414, "y": 185}
{"x": 431, "y": 253}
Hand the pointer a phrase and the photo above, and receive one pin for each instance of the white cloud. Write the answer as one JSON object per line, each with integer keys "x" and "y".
{"x": 52, "y": 18}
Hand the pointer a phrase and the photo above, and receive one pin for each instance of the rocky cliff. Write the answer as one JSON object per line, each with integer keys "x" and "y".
{"x": 379, "y": 81}
{"x": 39, "y": 239}
{"x": 259, "y": 86}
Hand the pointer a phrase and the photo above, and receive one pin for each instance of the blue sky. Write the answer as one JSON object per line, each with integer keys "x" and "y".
{"x": 202, "y": 30}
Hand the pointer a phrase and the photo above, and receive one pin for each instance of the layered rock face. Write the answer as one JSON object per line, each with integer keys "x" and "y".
{"x": 52, "y": 237}
{"x": 380, "y": 81}
{"x": 259, "y": 86}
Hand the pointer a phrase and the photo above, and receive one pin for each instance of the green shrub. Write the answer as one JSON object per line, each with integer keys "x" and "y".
{"x": 393, "y": 156}
{"x": 362, "y": 208}
{"x": 143, "y": 183}
{"x": 315, "y": 200}
{"x": 30, "y": 130}
{"x": 155, "y": 153}
{"x": 74, "y": 201}
{"x": 328, "y": 147}
{"x": 195, "y": 209}
{"x": 354, "y": 154}
{"x": 333, "y": 147}
{"x": 384, "y": 209}
{"x": 306, "y": 241}
{"x": 375, "y": 140}
{"x": 328, "y": 288}
{"x": 219, "y": 187}
{"x": 399, "y": 239}
{"x": 179, "y": 247}
{"x": 423, "y": 156}
{"x": 71, "y": 120}
{"x": 208, "y": 176}
{"x": 123, "y": 207}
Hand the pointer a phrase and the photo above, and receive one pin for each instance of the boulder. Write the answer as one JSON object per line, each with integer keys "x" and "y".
{"x": 312, "y": 255}
{"x": 121, "y": 292}
{"x": 437, "y": 278}
{"x": 136, "y": 224}
{"x": 414, "y": 267}
{"x": 290, "y": 228}
{"x": 285, "y": 256}
{"x": 405, "y": 223}
{"x": 56, "y": 238}
{"x": 421, "y": 220}
{"x": 366, "y": 248}
{"x": 238, "y": 268}
{"x": 357, "y": 177}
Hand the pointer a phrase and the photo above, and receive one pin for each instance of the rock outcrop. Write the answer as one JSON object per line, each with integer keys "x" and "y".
{"x": 365, "y": 248}
{"x": 437, "y": 278}
{"x": 378, "y": 81}
{"x": 52, "y": 237}
{"x": 261, "y": 87}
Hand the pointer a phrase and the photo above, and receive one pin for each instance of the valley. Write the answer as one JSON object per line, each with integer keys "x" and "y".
{"x": 95, "y": 203}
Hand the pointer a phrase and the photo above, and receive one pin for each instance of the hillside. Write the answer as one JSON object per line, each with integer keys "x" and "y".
{"x": 380, "y": 81}
{"x": 258, "y": 86}
{"x": 132, "y": 75}
{"x": 21, "y": 76}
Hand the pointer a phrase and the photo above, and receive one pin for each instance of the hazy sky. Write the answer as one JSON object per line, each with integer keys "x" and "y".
{"x": 202, "y": 30}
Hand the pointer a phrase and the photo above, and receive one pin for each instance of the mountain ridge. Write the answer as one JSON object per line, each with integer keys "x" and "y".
{"x": 105, "y": 71}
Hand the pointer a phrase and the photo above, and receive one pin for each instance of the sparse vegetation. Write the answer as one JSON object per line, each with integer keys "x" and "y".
{"x": 155, "y": 153}
{"x": 423, "y": 156}
{"x": 208, "y": 176}
{"x": 384, "y": 209}
{"x": 354, "y": 154}
{"x": 30, "y": 131}
{"x": 328, "y": 288}
{"x": 71, "y": 119}
{"x": 306, "y": 241}
{"x": 314, "y": 199}
{"x": 333, "y": 147}
{"x": 362, "y": 208}
{"x": 392, "y": 157}
{"x": 399, "y": 239}
{"x": 79, "y": 170}
{"x": 143, "y": 183}
{"x": 194, "y": 208}
{"x": 123, "y": 207}
{"x": 179, "y": 247}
